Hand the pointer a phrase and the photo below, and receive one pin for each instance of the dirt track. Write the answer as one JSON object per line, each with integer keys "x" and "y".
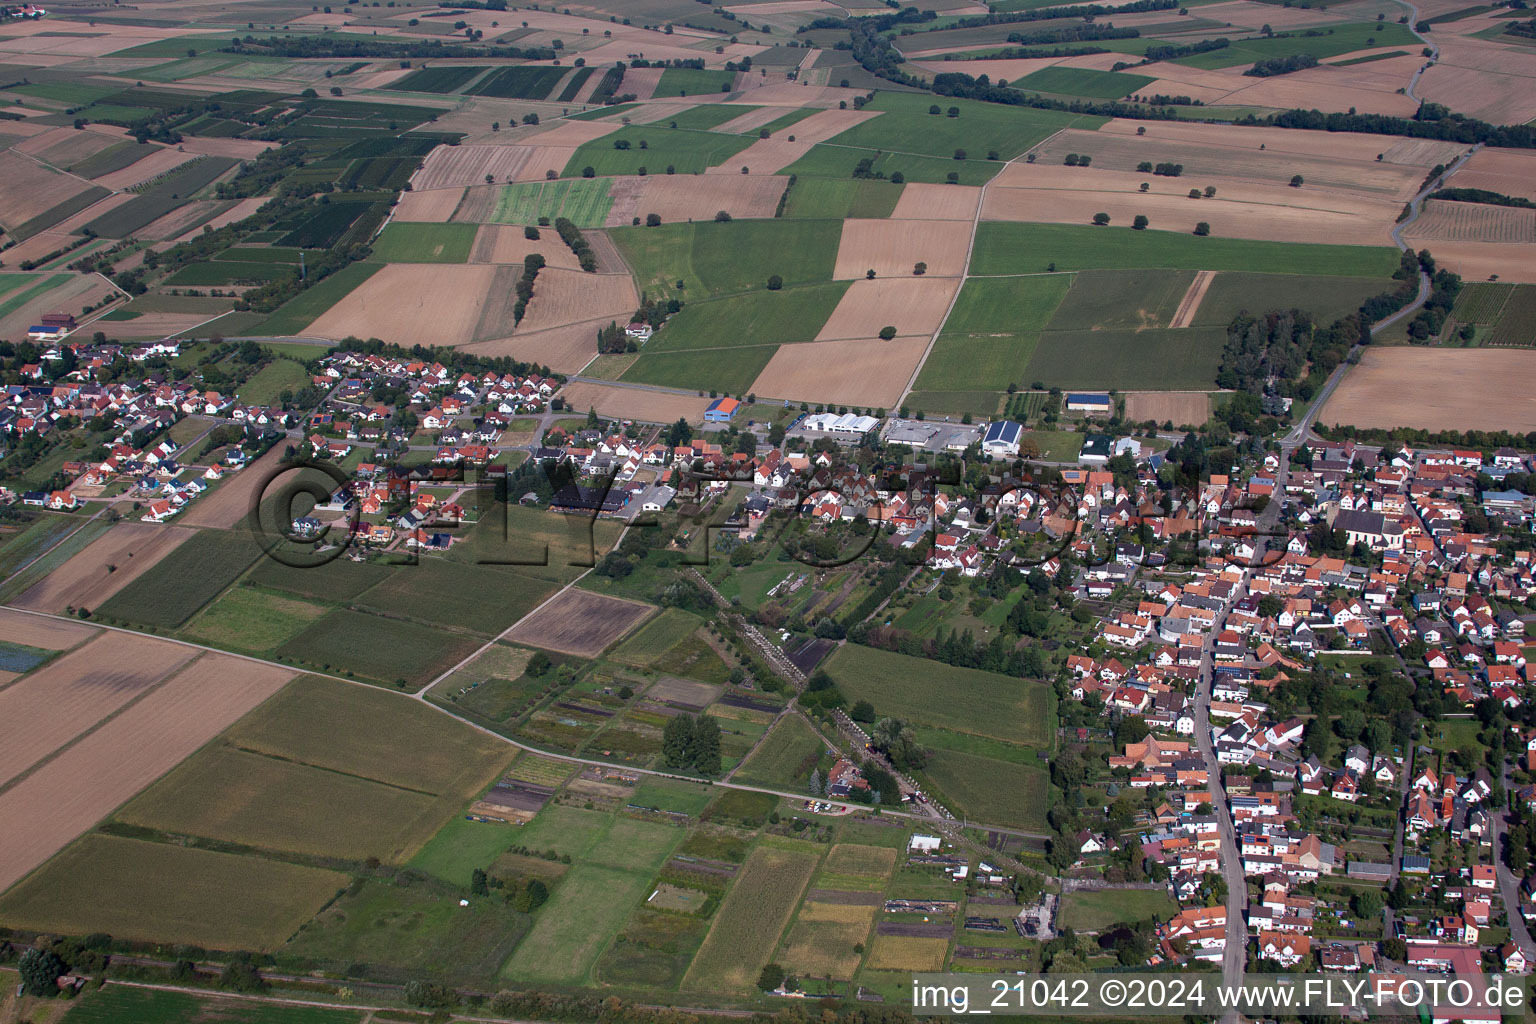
{"x": 1190, "y": 304}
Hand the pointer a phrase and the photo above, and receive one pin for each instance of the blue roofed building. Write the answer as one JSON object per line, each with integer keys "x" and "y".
{"x": 1001, "y": 438}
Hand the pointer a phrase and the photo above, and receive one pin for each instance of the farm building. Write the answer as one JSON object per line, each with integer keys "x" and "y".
{"x": 1089, "y": 402}
{"x": 638, "y": 331}
{"x": 721, "y": 410}
{"x": 1097, "y": 449}
{"x": 1001, "y": 438}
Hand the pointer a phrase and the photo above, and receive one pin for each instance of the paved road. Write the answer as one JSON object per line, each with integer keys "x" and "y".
{"x": 1509, "y": 885}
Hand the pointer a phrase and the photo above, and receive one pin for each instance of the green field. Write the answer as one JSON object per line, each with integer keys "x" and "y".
{"x": 1121, "y": 299}
{"x": 785, "y": 758}
{"x": 709, "y": 115}
{"x": 692, "y": 82}
{"x": 269, "y": 382}
{"x": 223, "y": 272}
{"x": 183, "y": 581}
{"x": 306, "y": 307}
{"x": 1151, "y": 360}
{"x": 671, "y": 795}
{"x": 482, "y": 599}
{"x": 962, "y": 699}
{"x": 1332, "y": 41}
{"x": 1103, "y": 85}
{"x": 722, "y": 259}
{"x": 118, "y": 1004}
{"x": 652, "y": 149}
{"x": 656, "y": 638}
{"x": 989, "y": 790}
{"x": 462, "y": 845}
{"x": 377, "y": 648}
{"x": 417, "y": 928}
{"x": 437, "y": 79}
{"x": 982, "y": 404}
{"x": 838, "y": 198}
{"x": 1012, "y": 248}
{"x": 246, "y": 619}
{"x": 728, "y": 369}
{"x": 156, "y": 892}
{"x": 827, "y": 160}
{"x": 750, "y": 920}
{"x": 588, "y": 907}
{"x": 523, "y": 83}
{"x": 1097, "y": 911}
{"x": 906, "y": 126}
{"x": 425, "y": 243}
{"x": 585, "y": 202}
{"x": 1326, "y": 298}
{"x": 760, "y": 317}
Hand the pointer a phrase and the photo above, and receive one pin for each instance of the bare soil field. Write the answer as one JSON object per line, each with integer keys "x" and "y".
{"x": 564, "y": 349}
{"x": 920, "y": 201}
{"x": 1056, "y": 194}
{"x": 154, "y": 326}
{"x": 1438, "y": 389}
{"x": 1005, "y": 70}
{"x": 1473, "y": 222}
{"x": 568, "y": 296}
{"x": 1483, "y": 79}
{"x": 634, "y": 403}
{"x": 63, "y": 147}
{"x": 1190, "y": 303}
{"x": 573, "y": 133}
{"x": 892, "y": 247}
{"x": 1182, "y": 407}
{"x": 107, "y": 565}
{"x": 78, "y": 291}
{"x": 1481, "y": 261}
{"x": 68, "y": 696}
{"x": 504, "y": 243}
{"x": 432, "y": 206}
{"x": 478, "y": 204}
{"x": 36, "y": 631}
{"x": 579, "y": 622}
{"x": 240, "y": 149}
{"x": 155, "y": 162}
{"x": 642, "y": 82}
{"x": 50, "y": 807}
{"x": 826, "y": 125}
{"x": 1370, "y": 88}
{"x": 229, "y": 503}
{"x": 408, "y": 303}
{"x": 684, "y": 691}
{"x": 913, "y": 305}
{"x": 457, "y": 166}
{"x": 31, "y": 189}
{"x": 185, "y": 218}
{"x": 866, "y": 373}
{"x": 241, "y": 210}
{"x": 1510, "y": 171}
{"x": 763, "y": 157}
{"x": 686, "y": 197}
{"x": 650, "y": 113}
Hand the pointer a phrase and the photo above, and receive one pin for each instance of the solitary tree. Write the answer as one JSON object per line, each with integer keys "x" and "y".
{"x": 40, "y": 969}
{"x": 775, "y": 282}
{"x": 869, "y": 274}
{"x": 1140, "y": 222}
{"x": 887, "y": 333}
{"x": 1202, "y": 228}
{"x": 722, "y": 217}
{"x": 1101, "y": 219}
{"x": 959, "y": 154}
{"x": 653, "y": 220}
{"x": 1296, "y": 181}
{"x": 919, "y": 268}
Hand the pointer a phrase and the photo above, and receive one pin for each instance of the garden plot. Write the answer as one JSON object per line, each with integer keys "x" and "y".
{"x": 892, "y": 248}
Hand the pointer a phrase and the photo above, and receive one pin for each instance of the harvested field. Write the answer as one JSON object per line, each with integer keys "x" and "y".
{"x": 153, "y": 164}
{"x": 891, "y": 247}
{"x": 50, "y": 807}
{"x": 564, "y": 349}
{"x": 36, "y": 631}
{"x": 120, "y": 556}
{"x": 1007, "y": 69}
{"x": 676, "y": 197}
{"x": 504, "y": 243}
{"x": 229, "y": 503}
{"x": 1181, "y": 407}
{"x": 1481, "y": 261}
{"x": 1438, "y": 389}
{"x": 433, "y": 206}
{"x": 478, "y": 205}
{"x": 157, "y": 325}
{"x": 565, "y": 296}
{"x": 648, "y": 406}
{"x": 571, "y": 133}
{"x": 827, "y": 124}
{"x": 579, "y": 622}
{"x": 763, "y": 157}
{"x": 63, "y": 147}
{"x": 187, "y": 217}
{"x": 921, "y": 201}
{"x": 865, "y": 373}
{"x": 32, "y": 190}
{"x": 750, "y": 121}
{"x": 240, "y": 149}
{"x": 1184, "y": 316}
{"x": 241, "y": 210}
{"x": 746, "y": 928}
{"x": 69, "y": 695}
{"x": 1054, "y": 194}
{"x": 822, "y": 941}
{"x": 1444, "y": 221}
{"x": 641, "y": 82}
{"x": 912, "y": 305}
{"x": 409, "y": 304}
{"x": 457, "y": 166}
{"x": 1510, "y": 171}
{"x": 1483, "y": 79}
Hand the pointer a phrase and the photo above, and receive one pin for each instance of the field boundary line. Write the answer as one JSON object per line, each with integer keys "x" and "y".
{"x": 965, "y": 273}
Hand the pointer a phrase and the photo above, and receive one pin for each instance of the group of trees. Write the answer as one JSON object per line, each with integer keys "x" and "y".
{"x": 1271, "y": 66}
{"x": 571, "y": 235}
{"x": 692, "y": 741}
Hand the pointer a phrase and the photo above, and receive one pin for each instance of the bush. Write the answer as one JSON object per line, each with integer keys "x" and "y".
{"x": 887, "y": 333}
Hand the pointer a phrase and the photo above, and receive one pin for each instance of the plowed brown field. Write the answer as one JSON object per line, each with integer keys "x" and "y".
{"x": 563, "y": 297}
{"x": 684, "y": 197}
{"x": 87, "y": 781}
{"x": 913, "y": 305}
{"x": 504, "y": 243}
{"x": 921, "y": 201}
{"x": 37, "y": 631}
{"x": 634, "y": 403}
{"x": 107, "y": 565}
{"x": 432, "y": 207}
{"x": 867, "y": 373}
{"x": 1438, "y": 389}
{"x": 409, "y": 304}
{"x": 1182, "y": 407}
{"x": 891, "y": 247}
{"x": 579, "y": 622}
